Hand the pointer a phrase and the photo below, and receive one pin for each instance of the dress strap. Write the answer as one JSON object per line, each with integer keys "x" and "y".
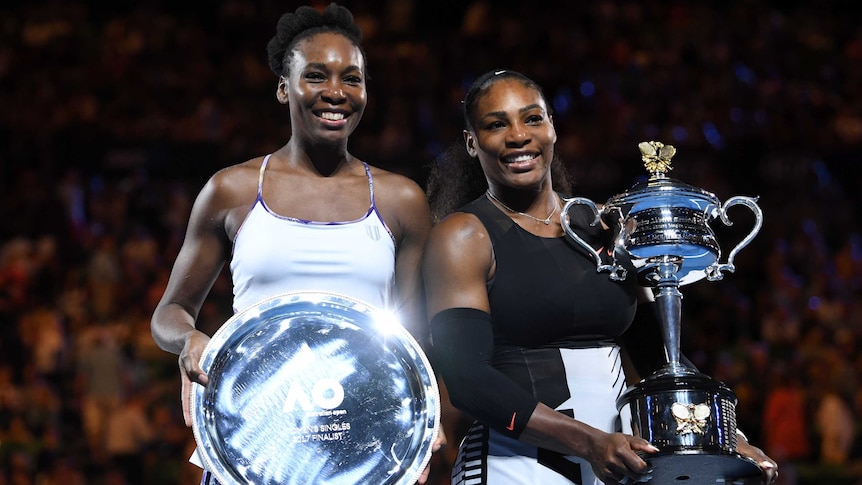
{"x": 370, "y": 185}
{"x": 260, "y": 176}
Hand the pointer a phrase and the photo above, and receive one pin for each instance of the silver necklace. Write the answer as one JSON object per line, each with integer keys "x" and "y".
{"x": 544, "y": 221}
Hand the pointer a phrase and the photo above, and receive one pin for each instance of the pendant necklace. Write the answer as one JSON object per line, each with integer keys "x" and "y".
{"x": 544, "y": 221}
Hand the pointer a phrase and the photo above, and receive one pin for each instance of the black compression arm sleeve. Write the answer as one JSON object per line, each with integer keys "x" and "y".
{"x": 463, "y": 347}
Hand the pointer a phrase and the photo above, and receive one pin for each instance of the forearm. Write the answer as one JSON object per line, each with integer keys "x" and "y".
{"x": 411, "y": 314}
{"x": 462, "y": 350}
{"x": 558, "y": 432}
{"x": 171, "y": 326}
{"x": 463, "y": 344}
{"x": 174, "y": 319}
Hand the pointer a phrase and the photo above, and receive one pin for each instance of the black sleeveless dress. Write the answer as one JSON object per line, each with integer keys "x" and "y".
{"x": 555, "y": 321}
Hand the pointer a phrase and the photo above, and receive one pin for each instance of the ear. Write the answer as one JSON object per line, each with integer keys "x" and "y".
{"x": 470, "y": 143}
{"x": 281, "y": 91}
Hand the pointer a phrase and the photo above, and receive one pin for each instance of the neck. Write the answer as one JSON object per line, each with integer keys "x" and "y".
{"x": 537, "y": 209}
{"x": 533, "y": 200}
{"x": 324, "y": 159}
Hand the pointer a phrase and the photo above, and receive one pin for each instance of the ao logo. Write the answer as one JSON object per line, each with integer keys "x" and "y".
{"x": 325, "y": 394}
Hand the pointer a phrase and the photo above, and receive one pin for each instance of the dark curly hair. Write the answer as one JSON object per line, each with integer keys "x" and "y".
{"x": 455, "y": 177}
{"x": 305, "y": 22}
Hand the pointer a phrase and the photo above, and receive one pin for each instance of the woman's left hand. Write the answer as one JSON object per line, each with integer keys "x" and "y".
{"x": 437, "y": 446}
{"x": 767, "y": 464}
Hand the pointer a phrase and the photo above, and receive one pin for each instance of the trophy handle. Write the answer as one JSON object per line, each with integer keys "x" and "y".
{"x": 714, "y": 271}
{"x": 617, "y": 272}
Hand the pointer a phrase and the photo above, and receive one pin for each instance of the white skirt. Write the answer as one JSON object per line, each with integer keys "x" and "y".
{"x": 595, "y": 380}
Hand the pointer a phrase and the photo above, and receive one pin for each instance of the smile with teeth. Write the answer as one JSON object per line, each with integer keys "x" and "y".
{"x": 328, "y": 115}
{"x": 520, "y": 158}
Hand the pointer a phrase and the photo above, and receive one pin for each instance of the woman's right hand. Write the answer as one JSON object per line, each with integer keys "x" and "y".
{"x": 190, "y": 370}
{"x": 614, "y": 458}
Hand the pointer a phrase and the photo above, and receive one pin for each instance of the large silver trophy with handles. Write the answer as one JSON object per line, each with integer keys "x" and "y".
{"x": 664, "y": 231}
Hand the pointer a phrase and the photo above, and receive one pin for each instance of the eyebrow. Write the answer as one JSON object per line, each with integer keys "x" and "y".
{"x": 323, "y": 67}
{"x": 502, "y": 114}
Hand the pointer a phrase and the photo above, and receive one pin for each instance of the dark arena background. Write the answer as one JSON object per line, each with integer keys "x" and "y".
{"x": 113, "y": 114}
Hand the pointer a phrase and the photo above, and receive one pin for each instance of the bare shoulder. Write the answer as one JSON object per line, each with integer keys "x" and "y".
{"x": 234, "y": 185}
{"x": 397, "y": 188}
{"x": 226, "y": 198}
{"x": 237, "y": 177}
{"x": 402, "y": 204}
{"x": 459, "y": 232}
{"x": 457, "y": 263}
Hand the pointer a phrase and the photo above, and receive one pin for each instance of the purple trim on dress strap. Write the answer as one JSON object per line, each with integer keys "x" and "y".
{"x": 259, "y": 198}
{"x": 370, "y": 184}
{"x": 315, "y": 223}
{"x": 263, "y": 165}
{"x": 374, "y": 204}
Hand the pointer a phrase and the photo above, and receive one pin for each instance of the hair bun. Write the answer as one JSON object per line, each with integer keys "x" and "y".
{"x": 304, "y": 22}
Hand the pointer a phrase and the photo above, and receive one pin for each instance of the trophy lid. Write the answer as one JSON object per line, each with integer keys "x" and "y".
{"x": 659, "y": 190}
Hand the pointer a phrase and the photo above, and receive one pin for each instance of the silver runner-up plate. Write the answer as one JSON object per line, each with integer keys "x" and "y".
{"x": 315, "y": 388}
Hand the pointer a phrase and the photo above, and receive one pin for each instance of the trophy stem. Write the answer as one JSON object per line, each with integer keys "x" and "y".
{"x": 669, "y": 301}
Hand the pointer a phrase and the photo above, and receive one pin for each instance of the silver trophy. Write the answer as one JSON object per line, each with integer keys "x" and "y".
{"x": 312, "y": 387}
{"x": 665, "y": 234}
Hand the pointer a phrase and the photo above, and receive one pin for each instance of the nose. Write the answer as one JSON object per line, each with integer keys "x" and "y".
{"x": 334, "y": 93}
{"x": 518, "y": 135}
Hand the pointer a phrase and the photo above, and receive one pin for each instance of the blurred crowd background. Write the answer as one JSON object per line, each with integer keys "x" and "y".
{"x": 112, "y": 116}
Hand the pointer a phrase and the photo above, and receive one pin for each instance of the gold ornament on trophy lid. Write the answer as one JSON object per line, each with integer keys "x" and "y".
{"x": 656, "y": 157}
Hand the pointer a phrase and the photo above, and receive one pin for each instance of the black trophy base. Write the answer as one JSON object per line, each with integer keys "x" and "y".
{"x": 697, "y": 468}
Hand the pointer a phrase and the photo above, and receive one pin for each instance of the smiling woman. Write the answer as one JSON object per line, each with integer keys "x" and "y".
{"x": 527, "y": 334}
{"x": 509, "y": 299}
{"x": 309, "y": 216}
{"x": 324, "y": 78}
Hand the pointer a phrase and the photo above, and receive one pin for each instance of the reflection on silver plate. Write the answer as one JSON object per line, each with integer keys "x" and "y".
{"x": 310, "y": 387}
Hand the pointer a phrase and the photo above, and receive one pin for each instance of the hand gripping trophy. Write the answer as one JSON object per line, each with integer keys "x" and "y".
{"x": 664, "y": 232}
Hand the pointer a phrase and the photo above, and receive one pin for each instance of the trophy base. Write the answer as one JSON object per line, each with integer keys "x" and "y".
{"x": 697, "y": 468}
{"x": 692, "y": 418}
